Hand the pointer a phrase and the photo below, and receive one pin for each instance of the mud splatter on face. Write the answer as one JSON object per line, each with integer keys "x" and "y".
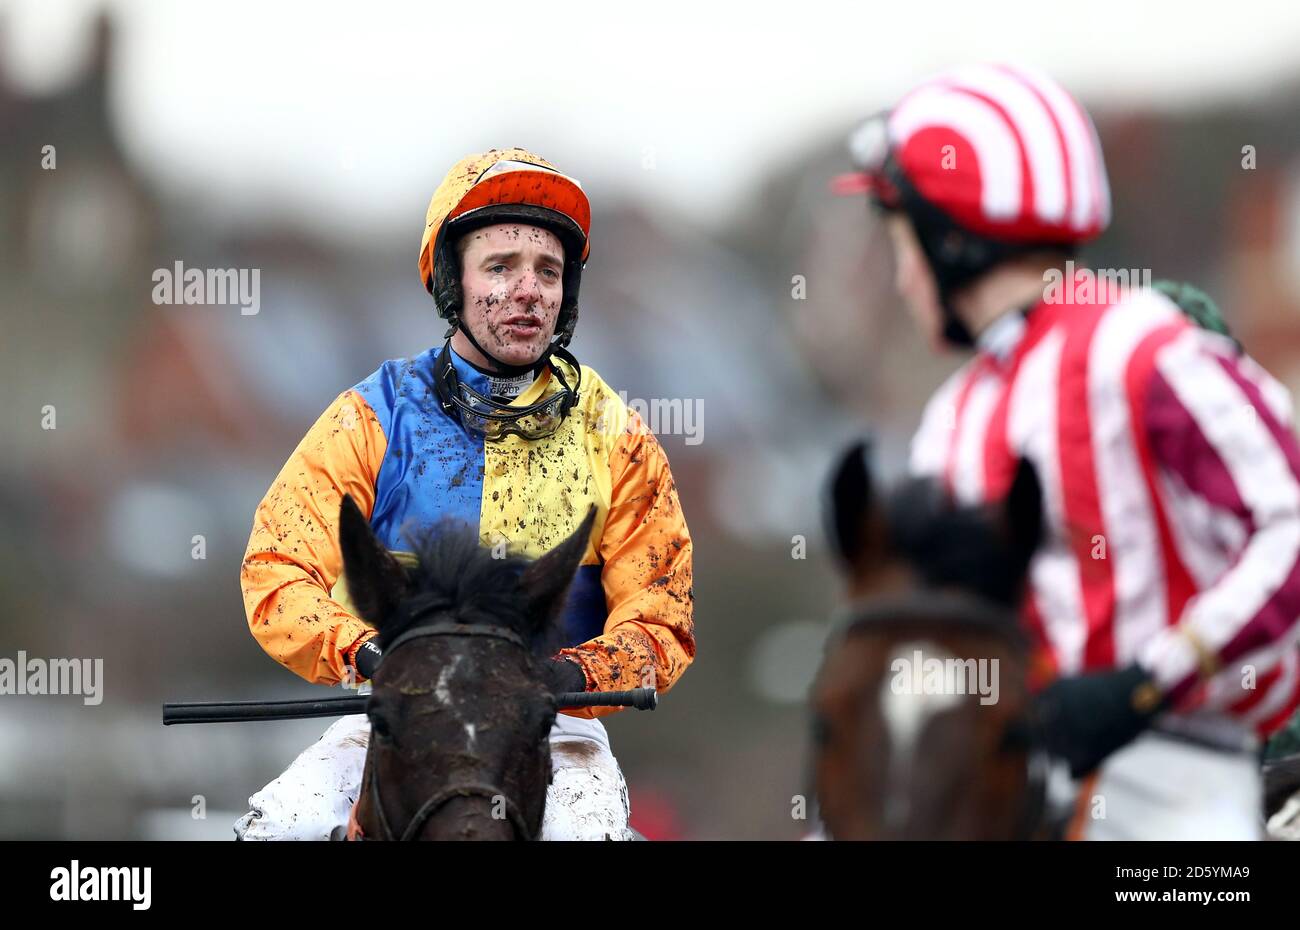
{"x": 512, "y": 278}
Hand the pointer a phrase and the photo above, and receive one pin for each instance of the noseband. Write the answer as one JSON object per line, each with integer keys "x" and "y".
{"x": 466, "y": 789}
{"x": 962, "y": 611}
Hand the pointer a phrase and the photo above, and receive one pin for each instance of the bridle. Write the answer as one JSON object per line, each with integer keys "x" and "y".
{"x": 464, "y": 789}
{"x": 963, "y": 611}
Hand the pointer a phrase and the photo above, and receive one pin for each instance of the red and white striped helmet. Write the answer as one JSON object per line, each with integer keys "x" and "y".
{"x": 1004, "y": 151}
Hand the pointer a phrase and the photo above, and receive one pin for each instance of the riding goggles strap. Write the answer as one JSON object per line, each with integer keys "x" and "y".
{"x": 869, "y": 150}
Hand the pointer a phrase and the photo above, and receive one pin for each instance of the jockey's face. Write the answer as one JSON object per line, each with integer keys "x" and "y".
{"x": 512, "y": 278}
{"x": 914, "y": 280}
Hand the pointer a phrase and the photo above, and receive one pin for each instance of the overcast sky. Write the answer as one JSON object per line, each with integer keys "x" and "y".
{"x": 361, "y": 106}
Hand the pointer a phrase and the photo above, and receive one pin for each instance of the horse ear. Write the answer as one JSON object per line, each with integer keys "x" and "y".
{"x": 1023, "y": 513}
{"x": 545, "y": 583}
{"x": 376, "y": 580}
{"x": 848, "y": 502}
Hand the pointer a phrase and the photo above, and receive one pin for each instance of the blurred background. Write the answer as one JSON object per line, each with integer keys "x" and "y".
{"x": 305, "y": 141}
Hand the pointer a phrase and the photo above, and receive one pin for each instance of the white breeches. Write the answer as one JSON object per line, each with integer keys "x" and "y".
{"x": 311, "y": 800}
{"x": 1159, "y": 788}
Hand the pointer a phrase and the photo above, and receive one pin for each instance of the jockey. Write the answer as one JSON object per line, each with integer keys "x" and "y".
{"x": 1163, "y": 603}
{"x": 502, "y": 428}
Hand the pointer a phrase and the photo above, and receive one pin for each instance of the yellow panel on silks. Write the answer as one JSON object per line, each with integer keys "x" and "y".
{"x": 537, "y": 492}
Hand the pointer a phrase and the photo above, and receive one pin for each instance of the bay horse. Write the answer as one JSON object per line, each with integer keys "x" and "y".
{"x": 920, "y": 704}
{"x": 460, "y": 712}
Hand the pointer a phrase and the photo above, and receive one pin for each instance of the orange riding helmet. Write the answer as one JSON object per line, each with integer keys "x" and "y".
{"x": 503, "y": 186}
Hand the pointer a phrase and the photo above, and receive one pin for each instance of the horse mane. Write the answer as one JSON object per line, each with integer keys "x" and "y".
{"x": 458, "y": 580}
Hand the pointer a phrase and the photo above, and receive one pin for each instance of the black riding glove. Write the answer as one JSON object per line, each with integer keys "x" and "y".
{"x": 1084, "y": 718}
{"x": 368, "y": 655}
{"x": 565, "y": 675}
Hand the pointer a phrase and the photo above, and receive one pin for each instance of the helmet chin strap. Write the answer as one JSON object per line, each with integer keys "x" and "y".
{"x": 955, "y": 330}
{"x": 957, "y": 257}
{"x": 503, "y": 368}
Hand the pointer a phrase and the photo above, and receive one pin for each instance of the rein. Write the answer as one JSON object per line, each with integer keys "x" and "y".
{"x": 463, "y": 790}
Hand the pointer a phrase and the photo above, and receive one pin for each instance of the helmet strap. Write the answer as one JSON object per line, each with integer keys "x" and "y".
{"x": 501, "y": 367}
{"x": 555, "y": 347}
{"x": 955, "y": 330}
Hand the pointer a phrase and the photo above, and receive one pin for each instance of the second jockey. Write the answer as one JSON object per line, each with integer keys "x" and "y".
{"x": 1164, "y": 601}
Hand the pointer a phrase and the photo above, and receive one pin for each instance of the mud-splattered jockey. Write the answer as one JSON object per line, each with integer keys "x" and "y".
{"x": 503, "y": 429}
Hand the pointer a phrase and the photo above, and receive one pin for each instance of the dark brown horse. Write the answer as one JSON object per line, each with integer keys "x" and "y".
{"x": 461, "y": 712}
{"x": 918, "y": 706}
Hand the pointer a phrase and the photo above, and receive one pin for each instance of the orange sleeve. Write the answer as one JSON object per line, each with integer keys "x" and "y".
{"x": 293, "y": 558}
{"x": 646, "y": 549}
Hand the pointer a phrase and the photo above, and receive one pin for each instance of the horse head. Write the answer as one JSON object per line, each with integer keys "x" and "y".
{"x": 460, "y": 711}
{"x": 918, "y": 703}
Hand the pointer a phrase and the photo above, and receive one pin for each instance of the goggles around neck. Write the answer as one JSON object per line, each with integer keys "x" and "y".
{"x": 493, "y": 419}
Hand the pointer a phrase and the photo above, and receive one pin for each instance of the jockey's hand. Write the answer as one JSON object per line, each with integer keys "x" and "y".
{"x": 368, "y": 655}
{"x": 1084, "y": 718}
{"x": 563, "y": 675}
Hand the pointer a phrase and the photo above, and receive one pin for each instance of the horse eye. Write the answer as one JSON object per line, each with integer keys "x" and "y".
{"x": 379, "y": 727}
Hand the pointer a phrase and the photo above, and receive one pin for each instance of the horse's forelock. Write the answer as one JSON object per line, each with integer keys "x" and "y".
{"x": 952, "y": 545}
{"x": 457, "y": 579}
